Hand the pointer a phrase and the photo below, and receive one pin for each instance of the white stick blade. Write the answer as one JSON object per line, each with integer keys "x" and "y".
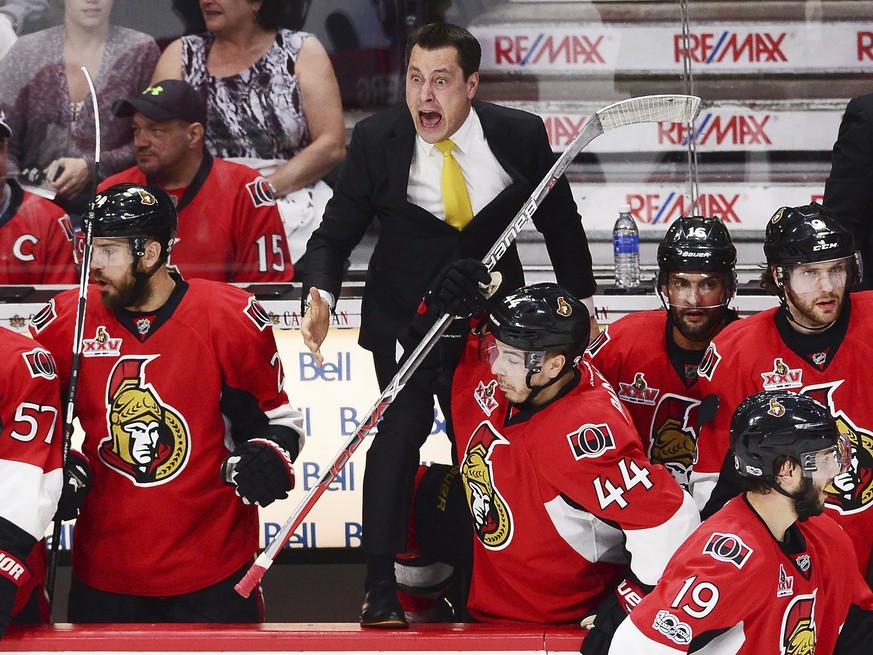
{"x": 649, "y": 109}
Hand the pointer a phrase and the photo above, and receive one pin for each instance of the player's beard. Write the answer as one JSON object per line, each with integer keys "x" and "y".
{"x": 699, "y": 331}
{"x": 118, "y": 294}
{"x": 805, "y": 310}
{"x": 809, "y": 501}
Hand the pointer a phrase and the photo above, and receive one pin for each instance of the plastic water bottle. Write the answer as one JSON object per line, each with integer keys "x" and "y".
{"x": 626, "y": 249}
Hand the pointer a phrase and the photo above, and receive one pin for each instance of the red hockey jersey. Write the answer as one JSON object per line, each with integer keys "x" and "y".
{"x": 36, "y": 242}
{"x": 30, "y": 447}
{"x": 229, "y": 226}
{"x": 546, "y": 491}
{"x": 662, "y": 401}
{"x": 162, "y": 400}
{"x": 751, "y": 356}
{"x": 734, "y": 580}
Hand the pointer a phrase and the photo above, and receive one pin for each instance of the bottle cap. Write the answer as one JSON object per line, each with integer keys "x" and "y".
{"x": 624, "y": 209}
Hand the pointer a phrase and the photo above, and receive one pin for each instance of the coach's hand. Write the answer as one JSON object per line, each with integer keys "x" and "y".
{"x": 77, "y": 484}
{"x": 261, "y": 470}
{"x": 316, "y": 322}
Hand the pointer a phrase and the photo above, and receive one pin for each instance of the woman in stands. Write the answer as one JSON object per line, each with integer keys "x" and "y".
{"x": 46, "y": 99}
{"x": 273, "y": 103}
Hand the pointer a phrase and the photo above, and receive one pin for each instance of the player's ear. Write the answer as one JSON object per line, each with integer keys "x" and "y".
{"x": 554, "y": 365}
{"x": 152, "y": 254}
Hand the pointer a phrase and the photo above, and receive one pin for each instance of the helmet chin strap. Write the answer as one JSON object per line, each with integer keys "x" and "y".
{"x": 537, "y": 389}
{"x": 803, "y": 500}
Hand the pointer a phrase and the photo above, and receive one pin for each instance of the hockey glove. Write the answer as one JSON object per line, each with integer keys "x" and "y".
{"x": 77, "y": 484}
{"x": 13, "y": 574}
{"x": 261, "y": 470}
{"x": 458, "y": 289}
{"x": 612, "y": 611}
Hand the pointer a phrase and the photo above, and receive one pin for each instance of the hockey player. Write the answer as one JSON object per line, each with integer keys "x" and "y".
{"x": 35, "y": 234}
{"x": 765, "y": 574}
{"x": 554, "y": 479}
{"x": 180, "y": 386}
{"x": 30, "y": 474}
{"x": 229, "y": 226}
{"x": 817, "y": 342}
{"x": 651, "y": 358}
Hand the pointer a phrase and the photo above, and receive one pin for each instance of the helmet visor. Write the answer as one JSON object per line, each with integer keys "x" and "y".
{"x": 828, "y": 462}
{"x": 698, "y": 290}
{"x": 508, "y": 360}
{"x": 820, "y": 276}
{"x": 111, "y": 251}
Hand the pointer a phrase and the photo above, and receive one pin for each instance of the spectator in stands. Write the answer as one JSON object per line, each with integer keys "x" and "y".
{"x": 849, "y": 187}
{"x": 651, "y": 358}
{"x": 35, "y": 234}
{"x": 394, "y": 172}
{"x": 229, "y": 227}
{"x": 47, "y": 102}
{"x": 274, "y": 104}
{"x": 13, "y": 14}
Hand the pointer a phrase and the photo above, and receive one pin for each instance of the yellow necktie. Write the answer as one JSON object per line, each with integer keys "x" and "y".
{"x": 459, "y": 211}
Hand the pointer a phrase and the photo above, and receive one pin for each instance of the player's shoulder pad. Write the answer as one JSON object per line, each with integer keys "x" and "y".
{"x": 225, "y": 302}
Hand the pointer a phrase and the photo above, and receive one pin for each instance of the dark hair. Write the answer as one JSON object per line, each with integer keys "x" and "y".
{"x": 271, "y": 14}
{"x": 767, "y": 283}
{"x": 445, "y": 35}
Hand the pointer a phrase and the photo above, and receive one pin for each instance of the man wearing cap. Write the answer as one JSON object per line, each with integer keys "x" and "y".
{"x": 35, "y": 234}
{"x": 229, "y": 227}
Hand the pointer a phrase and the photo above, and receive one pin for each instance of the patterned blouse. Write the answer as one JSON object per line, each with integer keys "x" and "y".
{"x": 36, "y": 99}
{"x": 257, "y": 113}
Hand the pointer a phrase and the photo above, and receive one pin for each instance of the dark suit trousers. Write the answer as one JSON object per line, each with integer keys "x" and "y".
{"x": 393, "y": 457}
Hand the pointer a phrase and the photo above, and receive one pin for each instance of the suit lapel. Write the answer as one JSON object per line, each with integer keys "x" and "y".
{"x": 496, "y": 135}
{"x": 399, "y": 147}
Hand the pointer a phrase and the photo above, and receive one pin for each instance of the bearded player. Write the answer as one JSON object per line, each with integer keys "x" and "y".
{"x": 555, "y": 485}
{"x": 767, "y": 573}
{"x": 817, "y": 342}
{"x": 187, "y": 428}
{"x": 651, "y": 358}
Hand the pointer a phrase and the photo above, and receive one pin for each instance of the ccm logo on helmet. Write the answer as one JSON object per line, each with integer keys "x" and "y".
{"x": 728, "y": 548}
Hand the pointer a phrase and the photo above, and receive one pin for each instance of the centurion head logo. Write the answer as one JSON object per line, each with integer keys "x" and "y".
{"x": 492, "y": 519}
{"x": 798, "y": 626}
{"x": 148, "y": 440}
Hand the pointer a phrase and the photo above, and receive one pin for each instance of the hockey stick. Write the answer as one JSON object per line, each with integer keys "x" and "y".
{"x": 75, "y": 365}
{"x": 645, "y": 109}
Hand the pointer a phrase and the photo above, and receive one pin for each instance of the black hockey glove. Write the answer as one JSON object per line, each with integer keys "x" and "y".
{"x": 13, "y": 574}
{"x": 261, "y": 470}
{"x": 612, "y": 611}
{"x": 77, "y": 484}
{"x": 457, "y": 291}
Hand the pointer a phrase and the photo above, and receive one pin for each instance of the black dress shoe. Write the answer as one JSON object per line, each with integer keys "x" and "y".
{"x": 381, "y": 609}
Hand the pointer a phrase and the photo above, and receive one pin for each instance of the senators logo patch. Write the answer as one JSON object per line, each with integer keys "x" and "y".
{"x": 728, "y": 548}
{"x": 638, "y": 391}
{"x": 492, "y": 519}
{"x": 41, "y": 364}
{"x": 261, "y": 192}
{"x": 782, "y": 377}
{"x": 851, "y": 492}
{"x": 101, "y": 345}
{"x": 673, "y": 440}
{"x": 798, "y": 626}
{"x": 484, "y": 396}
{"x": 44, "y": 317}
{"x": 149, "y": 441}
{"x": 591, "y": 440}
{"x": 563, "y": 308}
{"x": 709, "y": 363}
{"x": 259, "y": 316}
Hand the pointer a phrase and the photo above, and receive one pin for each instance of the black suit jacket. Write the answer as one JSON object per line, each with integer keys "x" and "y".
{"x": 849, "y": 188}
{"x": 413, "y": 245}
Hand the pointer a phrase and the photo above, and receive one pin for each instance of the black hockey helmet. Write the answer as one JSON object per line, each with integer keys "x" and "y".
{"x": 697, "y": 244}
{"x": 807, "y": 234}
{"x": 774, "y": 424}
{"x": 134, "y": 211}
{"x": 541, "y": 318}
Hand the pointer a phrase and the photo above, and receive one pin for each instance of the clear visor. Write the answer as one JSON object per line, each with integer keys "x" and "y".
{"x": 828, "y": 462}
{"x": 105, "y": 252}
{"x": 697, "y": 290}
{"x": 819, "y": 276}
{"x": 508, "y": 360}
